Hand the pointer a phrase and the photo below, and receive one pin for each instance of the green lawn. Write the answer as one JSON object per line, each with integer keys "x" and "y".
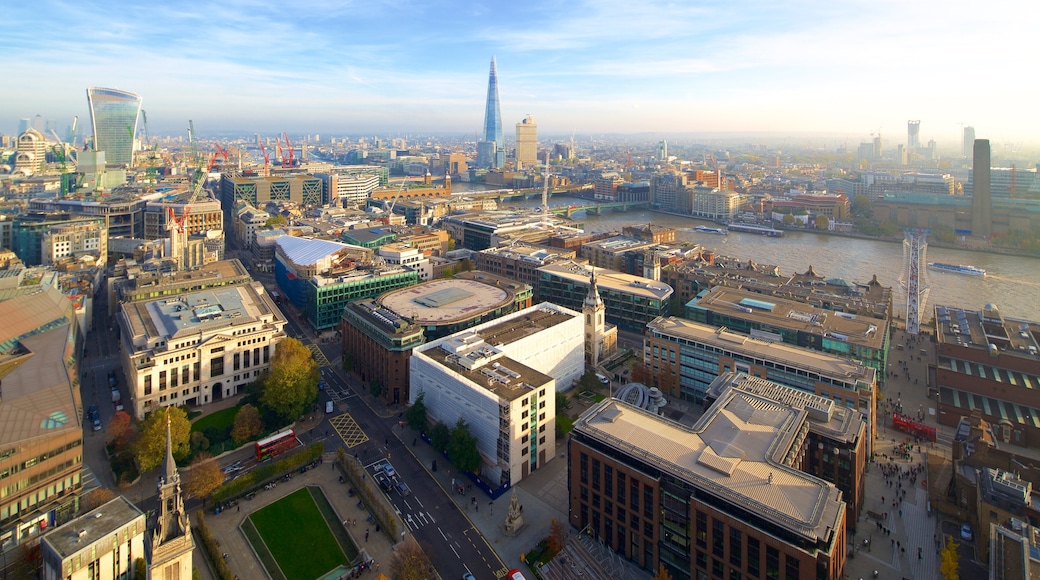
{"x": 298, "y": 538}
{"x": 222, "y": 419}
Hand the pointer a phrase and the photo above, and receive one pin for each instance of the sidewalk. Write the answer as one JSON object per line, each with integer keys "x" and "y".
{"x": 242, "y": 559}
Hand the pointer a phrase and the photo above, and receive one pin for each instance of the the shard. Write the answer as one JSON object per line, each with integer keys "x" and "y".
{"x": 491, "y": 151}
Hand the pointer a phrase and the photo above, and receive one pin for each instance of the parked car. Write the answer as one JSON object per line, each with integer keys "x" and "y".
{"x": 966, "y": 534}
{"x": 468, "y": 576}
{"x": 402, "y": 488}
{"x": 97, "y": 424}
{"x": 389, "y": 470}
{"x": 515, "y": 574}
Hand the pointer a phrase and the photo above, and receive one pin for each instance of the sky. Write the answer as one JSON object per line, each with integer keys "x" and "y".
{"x": 847, "y": 68}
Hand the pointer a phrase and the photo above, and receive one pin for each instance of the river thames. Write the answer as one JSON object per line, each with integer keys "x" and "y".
{"x": 1012, "y": 283}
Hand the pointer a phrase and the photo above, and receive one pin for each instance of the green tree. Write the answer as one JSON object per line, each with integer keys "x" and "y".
{"x": 448, "y": 273}
{"x": 949, "y": 563}
{"x": 861, "y": 206}
{"x": 416, "y": 414}
{"x": 204, "y": 475}
{"x": 588, "y": 381}
{"x": 150, "y": 448}
{"x": 247, "y": 424}
{"x": 462, "y": 448}
{"x": 561, "y": 402}
{"x": 374, "y": 388}
{"x": 822, "y": 222}
{"x": 276, "y": 220}
{"x": 140, "y": 569}
{"x": 788, "y": 219}
{"x": 440, "y": 436}
{"x": 291, "y": 384}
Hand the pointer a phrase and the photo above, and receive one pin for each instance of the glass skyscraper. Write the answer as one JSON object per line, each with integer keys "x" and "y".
{"x": 491, "y": 152}
{"x": 113, "y": 116}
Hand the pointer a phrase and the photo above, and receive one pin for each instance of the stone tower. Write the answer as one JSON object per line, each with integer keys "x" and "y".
{"x": 171, "y": 539}
{"x": 593, "y": 310}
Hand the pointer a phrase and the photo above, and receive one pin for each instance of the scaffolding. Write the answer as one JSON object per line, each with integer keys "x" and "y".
{"x": 914, "y": 278}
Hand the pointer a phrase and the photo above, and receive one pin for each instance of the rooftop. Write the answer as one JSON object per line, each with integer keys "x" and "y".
{"x": 986, "y": 329}
{"x": 789, "y": 314}
{"x": 735, "y": 452}
{"x": 441, "y": 302}
{"x": 610, "y": 280}
{"x": 483, "y": 365}
{"x": 302, "y": 251}
{"x": 99, "y": 524}
{"x": 195, "y": 312}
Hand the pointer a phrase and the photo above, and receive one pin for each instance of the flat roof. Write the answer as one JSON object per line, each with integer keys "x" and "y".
{"x": 193, "y": 312}
{"x": 733, "y": 452}
{"x": 783, "y": 313}
{"x": 440, "y": 302}
{"x": 821, "y": 363}
{"x": 980, "y": 329}
{"x": 525, "y": 323}
{"x": 484, "y": 366}
{"x": 609, "y": 280}
{"x": 96, "y": 525}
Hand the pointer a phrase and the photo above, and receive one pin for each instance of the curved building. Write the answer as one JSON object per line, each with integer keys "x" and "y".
{"x": 113, "y": 116}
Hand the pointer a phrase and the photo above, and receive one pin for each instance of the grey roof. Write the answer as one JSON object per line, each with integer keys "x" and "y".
{"x": 302, "y": 251}
{"x": 94, "y": 526}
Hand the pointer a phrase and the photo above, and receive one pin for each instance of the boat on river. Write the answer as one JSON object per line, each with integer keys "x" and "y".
{"x": 707, "y": 230}
{"x": 957, "y": 269}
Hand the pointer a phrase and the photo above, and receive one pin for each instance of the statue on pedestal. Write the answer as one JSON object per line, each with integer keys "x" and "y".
{"x": 514, "y": 520}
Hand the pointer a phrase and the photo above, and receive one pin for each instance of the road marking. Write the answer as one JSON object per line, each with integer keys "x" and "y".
{"x": 348, "y": 430}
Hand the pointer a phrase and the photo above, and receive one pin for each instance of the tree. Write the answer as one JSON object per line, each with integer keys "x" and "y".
{"x": 822, "y": 222}
{"x": 861, "y": 205}
{"x": 409, "y": 562}
{"x": 150, "y": 448}
{"x": 557, "y": 536}
{"x": 199, "y": 442}
{"x": 466, "y": 266}
{"x": 462, "y": 448}
{"x": 448, "y": 272}
{"x": 641, "y": 374}
{"x": 949, "y": 563}
{"x": 561, "y": 402}
{"x": 276, "y": 220}
{"x": 291, "y": 384}
{"x": 440, "y": 435}
{"x": 662, "y": 574}
{"x": 374, "y": 388}
{"x": 247, "y": 424}
{"x": 120, "y": 431}
{"x": 96, "y": 498}
{"x": 140, "y": 569}
{"x": 416, "y": 414}
{"x": 588, "y": 381}
{"x": 204, "y": 475}
{"x": 788, "y": 219}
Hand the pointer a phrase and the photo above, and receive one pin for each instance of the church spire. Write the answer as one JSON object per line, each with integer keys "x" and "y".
{"x": 592, "y": 299}
{"x": 169, "y": 465}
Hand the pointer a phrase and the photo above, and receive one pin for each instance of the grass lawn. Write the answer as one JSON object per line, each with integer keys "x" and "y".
{"x": 298, "y": 537}
{"x": 223, "y": 419}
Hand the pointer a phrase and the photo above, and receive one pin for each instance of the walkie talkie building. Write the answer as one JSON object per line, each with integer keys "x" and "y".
{"x": 113, "y": 116}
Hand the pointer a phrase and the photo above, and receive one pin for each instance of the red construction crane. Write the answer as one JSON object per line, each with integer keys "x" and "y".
{"x": 267, "y": 160}
{"x": 223, "y": 152}
{"x": 291, "y": 151}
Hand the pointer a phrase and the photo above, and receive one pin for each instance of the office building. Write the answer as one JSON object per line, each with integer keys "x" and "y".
{"x": 712, "y": 203}
{"x": 502, "y": 378}
{"x": 861, "y": 338}
{"x": 725, "y": 497}
{"x": 31, "y": 230}
{"x": 42, "y": 413}
{"x": 85, "y": 240}
{"x": 113, "y": 117}
{"x": 202, "y": 217}
{"x": 684, "y": 357}
{"x": 346, "y": 187}
{"x": 248, "y": 220}
{"x": 30, "y": 157}
{"x": 520, "y": 261}
{"x": 102, "y": 544}
{"x": 913, "y": 136}
{"x": 526, "y": 143}
{"x": 123, "y": 212}
{"x": 400, "y": 254}
{"x": 981, "y": 205}
{"x": 303, "y": 190}
{"x": 630, "y": 301}
{"x": 957, "y": 212}
{"x": 197, "y": 347}
{"x": 491, "y": 152}
{"x": 1014, "y": 550}
{"x": 619, "y": 253}
{"x": 662, "y": 150}
{"x": 989, "y": 364}
{"x": 968, "y": 143}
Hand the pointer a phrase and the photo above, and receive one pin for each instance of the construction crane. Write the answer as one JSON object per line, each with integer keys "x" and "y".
{"x": 60, "y": 153}
{"x": 178, "y": 226}
{"x": 144, "y": 126}
{"x": 288, "y": 146}
{"x": 267, "y": 160}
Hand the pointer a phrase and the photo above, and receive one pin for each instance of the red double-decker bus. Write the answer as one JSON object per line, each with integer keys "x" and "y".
{"x": 275, "y": 444}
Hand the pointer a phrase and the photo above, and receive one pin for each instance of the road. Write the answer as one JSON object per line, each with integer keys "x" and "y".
{"x": 374, "y": 435}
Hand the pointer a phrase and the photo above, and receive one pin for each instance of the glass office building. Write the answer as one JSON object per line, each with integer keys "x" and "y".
{"x": 113, "y": 116}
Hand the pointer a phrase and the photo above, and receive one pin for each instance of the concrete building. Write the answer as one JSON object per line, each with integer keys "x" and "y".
{"x": 123, "y": 212}
{"x": 303, "y": 190}
{"x": 102, "y": 544}
{"x": 990, "y": 365}
{"x": 134, "y": 284}
{"x": 205, "y": 215}
{"x": 619, "y": 253}
{"x": 684, "y": 357}
{"x": 630, "y": 301}
{"x": 197, "y": 347}
{"x": 113, "y": 118}
{"x": 42, "y": 413}
{"x": 606, "y": 186}
{"x": 1014, "y": 550}
{"x": 347, "y": 187}
{"x": 399, "y": 254}
{"x": 724, "y": 497}
{"x": 38, "y": 236}
{"x": 859, "y": 338}
{"x": 526, "y": 143}
{"x": 520, "y": 261}
{"x": 712, "y": 203}
{"x": 84, "y": 240}
{"x": 30, "y": 157}
{"x": 486, "y": 377}
{"x": 247, "y": 221}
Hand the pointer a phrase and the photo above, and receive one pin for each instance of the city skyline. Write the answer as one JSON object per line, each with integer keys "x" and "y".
{"x": 358, "y": 68}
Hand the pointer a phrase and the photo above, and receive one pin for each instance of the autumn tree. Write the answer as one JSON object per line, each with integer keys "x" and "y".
{"x": 662, "y": 574}
{"x": 822, "y": 222}
{"x": 416, "y": 413}
{"x": 96, "y": 498}
{"x": 409, "y": 562}
{"x": 557, "y": 536}
{"x": 641, "y": 374}
{"x": 276, "y": 220}
{"x": 120, "y": 431}
{"x": 150, "y": 447}
{"x": 949, "y": 563}
{"x": 204, "y": 475}
{"x": 292, "y": 382}
{"x": 247, "y": 424}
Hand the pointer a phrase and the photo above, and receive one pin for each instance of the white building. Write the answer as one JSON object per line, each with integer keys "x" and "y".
{"x": 501, "y": 377}
{"x": 248, "y": 220}
{"x": 75, "y": 239}
{"x": 102, "y": 544}
{"x": 405, "y": 255}
{"x": 198, "y": 347}
{"x": 31, "y": 155}
{"x": 347, "y": 188}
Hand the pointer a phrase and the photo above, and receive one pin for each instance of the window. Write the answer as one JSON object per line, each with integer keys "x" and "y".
{"x": 791, "y": 568}
{"x": 238, "y": 362}
{"x": 736, "y": 546}
{"x": 216, "y": 366}
{"x": 245, "y": 358}
{"x": 752, "y": 557}
{"x": 718, "y": 537}
{"x": 195, "y": 371}
{"x": 702, "y": 529}
{"x": 184, "y": 374}
{"x": 772, "y": 563}
{"x": 162, "y": 380}
{"x": 267, "y": 354}
{"x": 148, "y": 384}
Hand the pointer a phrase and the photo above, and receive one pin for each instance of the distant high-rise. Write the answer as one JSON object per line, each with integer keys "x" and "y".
{"x": 491, "y": 151}
{"x": 981, "y": 210}
{"x": 662, "y": 150}
{"x": 526, "y": 143}
{"x": 913, "y": 135}
{"x": 113, "y": 117}
{"x": 969, "y": 141}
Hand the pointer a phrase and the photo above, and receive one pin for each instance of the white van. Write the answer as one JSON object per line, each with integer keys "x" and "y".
{"x": 328, "y": 407}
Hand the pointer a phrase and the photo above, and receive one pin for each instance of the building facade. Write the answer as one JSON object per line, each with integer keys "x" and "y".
{"x": 526, "y": 143}
{"x": 304, "y": 190}
{"x": 102, "y": 544}
{"x": 520, "y": 261}
{"x": 491, "y": 152}
{"x": 197, "y": 347}
{"x": 76, "y": 239}
{"x": 113, "y": 118}
{"x": 630, "y": 301}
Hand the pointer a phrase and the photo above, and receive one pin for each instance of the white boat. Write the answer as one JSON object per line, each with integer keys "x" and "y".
{"x": 958, "y": 269}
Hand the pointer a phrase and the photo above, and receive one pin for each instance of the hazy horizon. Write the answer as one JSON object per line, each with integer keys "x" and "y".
{"x": 845, "y": 69}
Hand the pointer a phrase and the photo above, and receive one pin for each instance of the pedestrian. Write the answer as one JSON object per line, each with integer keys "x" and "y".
{"x": 366, "y": 534}
{"x": 238, "y": 508}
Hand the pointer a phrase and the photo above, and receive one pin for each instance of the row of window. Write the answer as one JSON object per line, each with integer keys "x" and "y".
{"x": 42, "y": 495}
{"x": 32, "y": 461}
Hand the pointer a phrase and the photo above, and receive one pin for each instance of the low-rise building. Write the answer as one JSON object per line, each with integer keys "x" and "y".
{"x": 197, "y": 347}
{"x": 399, "y": 254}
{"x": 76, "y": 239}
{"x": 102, "y": 544}
{"x": 520, "y": 261}
{"x": 247, "y": 222}
{"x": 631, "y": 301}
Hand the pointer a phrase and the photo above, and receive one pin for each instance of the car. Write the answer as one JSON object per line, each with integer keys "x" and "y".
{"x": 966, "y": 534}
{"x": 329, "y": 407}
{"x": 603, "y": 380}
{"x": 402, "y": 488}
{"x": 97, "y": 424}
{"x": 389, "y": 470}
{"x": 229, "y": 469}
{"x": 515, "y": 574}
{"x": 468, "y": 576}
